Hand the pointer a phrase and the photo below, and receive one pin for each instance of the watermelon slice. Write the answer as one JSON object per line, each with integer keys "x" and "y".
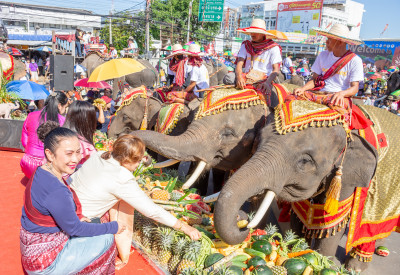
{"x": 194, "y": 208}
{"x": 382, "y": 251}
{"x": 194, "y": 196}
{"x": 203, "y": 205}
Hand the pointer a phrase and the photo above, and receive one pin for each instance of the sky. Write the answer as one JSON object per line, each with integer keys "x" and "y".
{"x": 377, "y": 13}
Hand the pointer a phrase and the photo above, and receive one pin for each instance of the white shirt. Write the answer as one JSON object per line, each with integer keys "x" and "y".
{"x": 262, "y": 62}
{"x": 114, "y": 53}
{"x": 287, "y": 63}
{"x": 100, "y": 184}
{"x": 352, "y": 71}
{"x": 198, "y": 75}
{"x": 86, "y": 38}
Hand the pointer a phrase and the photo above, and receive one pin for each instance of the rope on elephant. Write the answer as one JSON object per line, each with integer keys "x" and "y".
{"x": 216, "y": 72}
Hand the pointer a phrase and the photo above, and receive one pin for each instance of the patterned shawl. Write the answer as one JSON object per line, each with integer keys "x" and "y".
{"x": 257, "y": 48}
{"x": 195, "y": 61}
{"x": 319, "y": 82}
{"x": 178, "y": 67}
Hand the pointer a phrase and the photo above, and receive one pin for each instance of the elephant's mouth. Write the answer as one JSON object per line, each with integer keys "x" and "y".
{"x": 292, "y": 193}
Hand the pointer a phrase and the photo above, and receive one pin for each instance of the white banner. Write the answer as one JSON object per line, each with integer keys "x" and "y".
{"x": 236, "y": 47}
{"x": 219, "y": 43}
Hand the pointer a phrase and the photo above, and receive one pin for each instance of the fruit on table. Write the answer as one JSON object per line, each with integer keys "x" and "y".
{"x": 254, "y": 253}
{"x": 177, "y": 251}
{"x": 207, "y": 233}
{"x": 327, "y": 271}
{"x": 308, "y": 271}
{"x": 212, "y": 259}
{"x": 311, "y": 258}
{"x": 163, "y": 243}
{"x": 239, "y": 264}
{"x": 99, "y": 145}
{"x": 382, "y": 251}
{"x": 159, "y": 194}
{"x": 279, "y": 270}
{"x": 295, "y": 266}
{"x": 242, "y": 223}
{"x": 234, "y": 270}
{"x": 262, "y": 270}
{"x": 262, "y": 246}
{"x": 281, "y": 260}
{"x": 256, "y": 261}
{"x": 192, "y": 252}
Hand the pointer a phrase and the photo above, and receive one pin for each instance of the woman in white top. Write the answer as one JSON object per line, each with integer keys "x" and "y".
{"x": 106, "y": 178}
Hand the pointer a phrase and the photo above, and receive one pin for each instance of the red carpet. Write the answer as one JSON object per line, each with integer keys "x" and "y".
{"x": 11, "y": 190}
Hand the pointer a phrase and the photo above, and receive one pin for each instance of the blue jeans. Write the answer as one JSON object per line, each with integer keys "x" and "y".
{"x": 78, "y": 253}
{"x": 287, "y": 75}
{"x": 78, "y": 48}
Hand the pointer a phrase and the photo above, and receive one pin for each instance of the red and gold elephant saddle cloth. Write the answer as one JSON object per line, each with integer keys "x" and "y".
{"x": 135, "y": 93}
{"x": 217, "y": 101}
{"x": 168, "y": 117}
{"x": 374, "y": 211}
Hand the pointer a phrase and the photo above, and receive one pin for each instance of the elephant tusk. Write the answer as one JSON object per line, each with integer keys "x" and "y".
{"x": 262, "y": 210}
{"x": 211, "y": 198}
{"x": 165, "y": 163}
{"x": 195, "y": 175}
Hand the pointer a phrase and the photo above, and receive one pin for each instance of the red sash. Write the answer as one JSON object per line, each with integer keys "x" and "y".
{"x": 258, "y": 48}
{"x": 195, "y": 61}
{"x": 319, "y": 83}
{"x": 38, "y": 218}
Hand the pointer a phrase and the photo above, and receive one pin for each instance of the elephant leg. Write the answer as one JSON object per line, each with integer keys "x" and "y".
{"x": 356, "y": 264}
{"x": 328, "y": 246}
{"x": 296, "y": 225}
{"x": 356, "y": 260}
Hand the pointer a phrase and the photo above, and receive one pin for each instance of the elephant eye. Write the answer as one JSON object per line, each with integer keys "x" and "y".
{"x": 305, "y": 163}
{"x": 125, "y": 117}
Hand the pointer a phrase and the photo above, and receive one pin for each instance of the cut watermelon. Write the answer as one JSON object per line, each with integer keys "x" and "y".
{"x": 194, "y": 208}
{"x": 382, "y": 251}
{"x": 203, "y": 205}
{"x": 194, "y": 196}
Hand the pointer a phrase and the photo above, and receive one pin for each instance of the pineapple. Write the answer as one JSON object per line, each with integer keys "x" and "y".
{"x": 175, "y": 196}
{"x": 290, "y": 236}
{"x": 177, "y": 250}
{"x": 279, "y": 270}
{"x": 192, "y": 252}
{"x": 271, "y": 229}
{"x": 147, "y": 235}
{"x": 159, "y": 194}
{"x": 164, "y": 244}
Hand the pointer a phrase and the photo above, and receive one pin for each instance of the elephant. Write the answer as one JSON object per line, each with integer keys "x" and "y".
{"x": 393, "y": 83}
{"x": 148, "y": 77}
{"x": 216, "y": 71}
{"x": 6, "y": 108}
{"x": 297, "y": 166}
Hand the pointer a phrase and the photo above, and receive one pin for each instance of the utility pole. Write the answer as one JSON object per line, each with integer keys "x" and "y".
{"x": 190, "y": 15}
{"x": 110, "y": 26}
{"x": 147, "y": 26}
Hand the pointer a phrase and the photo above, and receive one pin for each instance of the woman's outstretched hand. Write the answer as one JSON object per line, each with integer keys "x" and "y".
{"x": 192, "y": 232}
{"x": 121, "y": 227}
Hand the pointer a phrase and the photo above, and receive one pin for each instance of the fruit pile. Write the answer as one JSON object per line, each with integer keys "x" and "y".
{"x": 264, "y": 252}
{"x": 101, "y": 142}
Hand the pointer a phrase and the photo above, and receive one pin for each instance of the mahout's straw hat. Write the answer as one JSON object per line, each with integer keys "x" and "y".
{"x": 339, "y": 32}
{"x": 257, "y": 26}
{"x": 176, "y": 49}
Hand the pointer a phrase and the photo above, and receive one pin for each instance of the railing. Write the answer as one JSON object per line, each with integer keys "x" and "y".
{"x": 63, "y": 43}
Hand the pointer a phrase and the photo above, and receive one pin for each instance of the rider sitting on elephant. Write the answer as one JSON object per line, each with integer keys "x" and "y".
{"x": 337, "y": 72}
{"x": 259, "y": 58}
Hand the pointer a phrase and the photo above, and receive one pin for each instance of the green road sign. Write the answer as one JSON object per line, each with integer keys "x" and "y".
{"x": 211, "y": 10}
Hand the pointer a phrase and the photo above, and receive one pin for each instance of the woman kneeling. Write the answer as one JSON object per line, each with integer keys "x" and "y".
{"x": 54, "y": 237}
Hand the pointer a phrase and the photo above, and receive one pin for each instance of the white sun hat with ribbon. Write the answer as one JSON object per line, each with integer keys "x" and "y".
{"x": 257, "y": 26}
{"x": 194, "y": 49}
{"x": 176, "y": 49}
{"x": 339, "y": 32}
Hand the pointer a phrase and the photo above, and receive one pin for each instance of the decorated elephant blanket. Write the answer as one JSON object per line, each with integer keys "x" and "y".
{"x": 373, "y": 212}
{"x": 217, "y": 101}
{"x": 7, "y": 65}
{"x": 135, "y": 93}
{"x": 168, "y": 117}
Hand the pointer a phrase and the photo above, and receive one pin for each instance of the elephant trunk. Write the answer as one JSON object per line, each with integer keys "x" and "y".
{"x": 263, "y": 172}
{"x": 184, "y": 147}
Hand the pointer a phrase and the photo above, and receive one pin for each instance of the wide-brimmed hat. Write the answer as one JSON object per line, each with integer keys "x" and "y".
{"x": 339, "y": 32}
{"x": 176, "y": 49}
{"x": 257, "y": 26}
{"x": 194, "y": 49}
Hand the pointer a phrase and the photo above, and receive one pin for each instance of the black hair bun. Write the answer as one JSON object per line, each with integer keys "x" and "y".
{"x": 44, "y": 129}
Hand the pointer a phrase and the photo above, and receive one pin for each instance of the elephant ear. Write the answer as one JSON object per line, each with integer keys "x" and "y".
{"x": 360, "y": 162}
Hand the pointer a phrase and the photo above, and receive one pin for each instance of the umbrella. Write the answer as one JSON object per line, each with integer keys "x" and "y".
{"x": 185, "y": 47}
{"x": 78, "y": 68}
{"x": 167, "y": 48}
{"x": 391, "y": 70}
{"x": 374, "y": 76}
{"x": 84, "y": 83}
{"x": 302, "y": 70}
{"x": 43, "y": 49}
{"x": 14, "y": 51}
{"x": 396, "y": 93}
{"x": 27, "y": 89}
{"x": 116, "y": 68}
{"x": 228, "y": 53}
{"x": 280, "y": 35}
{"x": 383, "y": 72}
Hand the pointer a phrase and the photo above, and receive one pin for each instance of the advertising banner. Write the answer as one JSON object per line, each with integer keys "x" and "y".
{"x": 299, "y": 17}
{"x": 382, "y": 54}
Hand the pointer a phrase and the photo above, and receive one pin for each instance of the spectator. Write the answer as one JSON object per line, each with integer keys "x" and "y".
{"x": 287, "y": 68}
{"x": 104, "y": 115}
{"x": 113, "y": 52}
{"x": 78, "y": 37}
{"x": 40, "y": 66}
{"x": 27, "y": 69}
{"x": 33, "y": 70}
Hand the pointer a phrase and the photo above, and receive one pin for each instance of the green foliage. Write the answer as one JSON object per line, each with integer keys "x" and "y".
{"x": 122, "y": 30}
{"x": 176, "y": 12}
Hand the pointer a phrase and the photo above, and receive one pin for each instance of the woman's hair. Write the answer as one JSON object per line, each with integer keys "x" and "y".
{"x": 50, "y": 133}
{"x": 81, "y": 118}
{"x": 50, "y": 109}
{"x": 126, "y": 148}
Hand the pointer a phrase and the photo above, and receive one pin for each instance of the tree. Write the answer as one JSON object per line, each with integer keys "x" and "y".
{"x": 176, "y": 12}
{"x": 124, "y": 26}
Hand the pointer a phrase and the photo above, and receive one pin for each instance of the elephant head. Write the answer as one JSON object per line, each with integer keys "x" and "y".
{"x": 91, "y": 61}
{"x": 129, "y": 118}
{"x": 294, "y": 167}
{"x": 393, "y": 83}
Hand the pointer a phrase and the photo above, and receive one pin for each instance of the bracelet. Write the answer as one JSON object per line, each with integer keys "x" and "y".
{"x": 179, "y": 226}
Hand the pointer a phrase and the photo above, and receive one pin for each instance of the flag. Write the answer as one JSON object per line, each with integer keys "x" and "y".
{"x": 359, "y": 24}
{"x": 387, "y": 25}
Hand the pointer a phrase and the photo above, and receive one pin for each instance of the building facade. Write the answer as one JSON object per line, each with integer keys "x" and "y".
{"x": 347, "y": 12}
{"x": 30, "y": 25}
